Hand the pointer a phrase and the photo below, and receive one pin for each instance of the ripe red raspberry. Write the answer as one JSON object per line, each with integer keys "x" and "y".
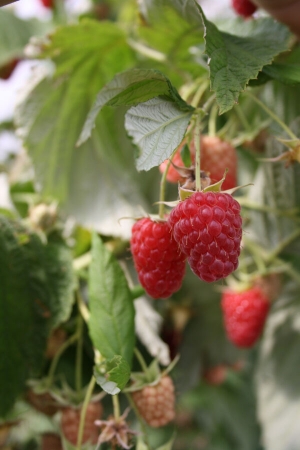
{"x": 218, "y": 155}
{"x": 70, "y": 420}
{"x": 48, "y": 3}
{"x": 208, "y": 228}
{"x": 244, "y": 8}
{"x": 156, "y": 404}
{"x": 244, "y": 315}
{"x": 159, "y": 263}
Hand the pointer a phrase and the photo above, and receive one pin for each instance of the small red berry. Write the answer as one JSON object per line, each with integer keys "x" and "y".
{"x": 156, "y": 404}
{"x": 244, "y": 8}
{"x": 70, "y": 420}
{"x": 244, "y": 315}
{"x": 51, "y": 441}
{"x": 7, "y": 70}
{"x": 208, "y": 228}
{"x": 218, "y": 155}
{"x": 48, "y": 3}
{"x": 159, "y": 263}
{"x": 216, "y": 375}
{"x": 173, "y": 176}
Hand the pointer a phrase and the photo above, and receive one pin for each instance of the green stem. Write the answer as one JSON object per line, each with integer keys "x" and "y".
{"x": 86, "y": 402}
{"x": 82, "y": 261}
{"x": 72, "y": 339}
{"x": 273, "y": 116}
{"x": 246, "y": 203}
{"x": 137, "y": 291}
{"x": 198, "y": 154}
{"x": 212, "y": 129}
{"x": 240, "y": 113}
{"x": 140, "y": 419}
{"x": 287, "y": 241}
{"x": 78, "y": 363}
{"x": 200, "y": 91}
{"x": 162, "y": 193}
{"x": 147, "y": 51}
{"x": 116, "y": 405}
{"x": 141, "y": 360}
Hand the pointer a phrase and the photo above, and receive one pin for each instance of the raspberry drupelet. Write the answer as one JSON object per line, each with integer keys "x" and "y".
{"x": 208, "y": 228}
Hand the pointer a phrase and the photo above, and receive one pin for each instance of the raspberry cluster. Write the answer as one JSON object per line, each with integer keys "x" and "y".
{"x": 156, "y": 404}
{"x": 70, "y": 420}
{"x": 244, "y": 314}
{"x": 159, "y": 262}
{"x": 208, "y": 229}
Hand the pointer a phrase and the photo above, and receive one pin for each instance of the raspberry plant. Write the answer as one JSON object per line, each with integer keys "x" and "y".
{"x": 96, "y": 302}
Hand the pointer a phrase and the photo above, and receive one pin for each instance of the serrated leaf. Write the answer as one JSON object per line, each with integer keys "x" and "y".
{"x": 116, "y": 375}
{"x": 157, "y": 127}
{"x": 52, "y": 113}
{"x": 187, "y": 9}
{"x": 111, "y": 323}
{"x": 126, "y": 89}
{"x": 234, "y": 60}
{"x": 35, "y": 295}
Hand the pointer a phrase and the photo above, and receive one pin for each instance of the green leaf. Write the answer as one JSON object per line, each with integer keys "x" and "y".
{"x": 278, "y": 383}
{"x": 113, "y": 375}
{"x": 111, "y": 323}
{"x": 129, "y": 88}
{"x": 15, "y": 34}
{"x": 285, "y": 73}
{"x": 35, "y": 296}
{"x": 187, "y": 9}
{"x": 234, "y": 60}
{"x": 52, "y": 113}
{"x": 157, "y": 127}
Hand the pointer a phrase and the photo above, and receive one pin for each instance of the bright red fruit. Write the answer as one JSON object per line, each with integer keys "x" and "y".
{"x": 244, "y": 8}
{"x": 218, "y": 155}
{"x": 173, "y": 176}
{"x": 159, "y": 263}
{"x": 70, "y": 423}
{"x": 244, "y": 315}
{"x": 156, "y": 404}
{"x": 208, "y": 228}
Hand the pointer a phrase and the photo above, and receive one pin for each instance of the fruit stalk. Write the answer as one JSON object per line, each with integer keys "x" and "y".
{"x": 86, "y": 402}
{"x": 197, "y": 153}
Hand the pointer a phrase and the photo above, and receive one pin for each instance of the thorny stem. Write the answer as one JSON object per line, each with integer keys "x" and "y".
{"x": 87, "y": 399}
{"x": 116, "y": 405}
{"x": 273, "y": 116}
{"x": 141, "y": 360}
{"x": 140, "y": 419}
{"x": 198, "y": 153}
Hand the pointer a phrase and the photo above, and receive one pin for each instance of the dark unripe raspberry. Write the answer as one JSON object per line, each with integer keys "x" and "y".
{"x": 244, "y": 315}
{"x": 159, "y": 262}
{"x": 156, "y": 404}
{"x": 70, "y": 420}
{"x": 51, "y": 441}
{"x": 208, "y": 228}
{"x": 244, "y": 8}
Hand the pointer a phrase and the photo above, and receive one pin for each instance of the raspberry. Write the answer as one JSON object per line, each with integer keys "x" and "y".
{"x": 51, "y": 441}
{"x": 42, "y": 402}
{"x": 208, "y": 228}
{"x": 244, "y": 8}
{"x": 216, "y": 375}
{"x": 218, "y": 155}
{"x": 70, "y": 420}
{"x": 173, "y": 176}
{"x": 156, "y": 404}
{"x": 158, "y": 261}
{"x": 244, "y": 315}
{"x": 48, "y": 3}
